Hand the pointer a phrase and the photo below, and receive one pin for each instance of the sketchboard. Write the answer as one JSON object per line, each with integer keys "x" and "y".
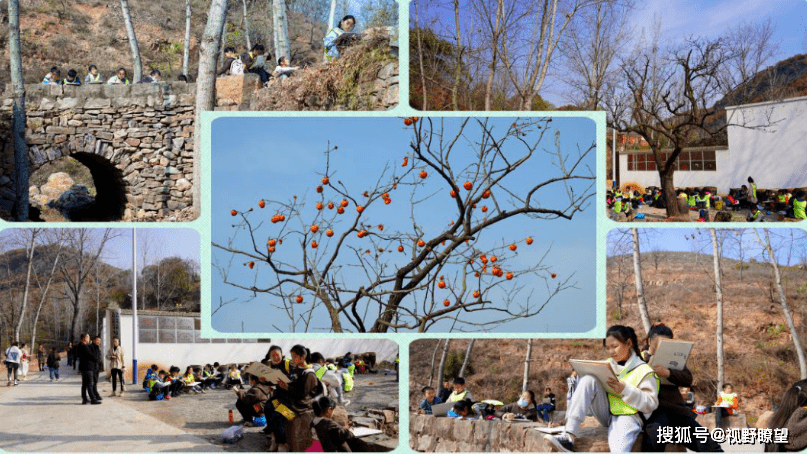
{"x": 261, "y": 370}
{"x": 359, "y": 432}
{"x": 442, "y": 409}
{"x": 671, "y": 354}
{"x": 551, "y": 430}
{"x": 601, "y": 370}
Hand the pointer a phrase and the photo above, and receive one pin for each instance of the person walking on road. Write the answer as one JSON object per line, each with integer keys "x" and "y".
{"x": 13, "y": 355}
{"x": 53, "y": 364}
{"x": 95, "y": 348}
{"x": 24, "y": 361}
{"x": 40, "y": 357}
{"x": 116, "y": 364}
{"x": 88, "y": 364}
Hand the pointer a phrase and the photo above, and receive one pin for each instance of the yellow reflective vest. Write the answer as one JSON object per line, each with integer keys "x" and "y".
{"x": 634, "y": 378}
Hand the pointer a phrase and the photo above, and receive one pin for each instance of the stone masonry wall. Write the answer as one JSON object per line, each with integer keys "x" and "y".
{"x": 142, "y": 134}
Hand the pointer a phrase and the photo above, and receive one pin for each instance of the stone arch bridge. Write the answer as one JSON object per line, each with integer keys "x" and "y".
{"x": 136, "y": 141}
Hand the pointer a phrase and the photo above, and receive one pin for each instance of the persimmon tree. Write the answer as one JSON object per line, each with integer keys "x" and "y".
{"x": 330, "y": 255}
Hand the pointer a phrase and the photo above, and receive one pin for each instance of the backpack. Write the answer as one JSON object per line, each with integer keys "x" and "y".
{"x": 237, "y": 67}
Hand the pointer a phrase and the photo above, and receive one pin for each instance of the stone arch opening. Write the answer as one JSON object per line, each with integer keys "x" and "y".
{"x": 104, "y": 199}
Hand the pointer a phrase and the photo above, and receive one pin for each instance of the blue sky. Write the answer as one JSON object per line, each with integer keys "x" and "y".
{"x": 681, "y": 19}
{"x": 275, "y": 158}
{"x": 167, "y": 242}
{"x": 790, "y": 251}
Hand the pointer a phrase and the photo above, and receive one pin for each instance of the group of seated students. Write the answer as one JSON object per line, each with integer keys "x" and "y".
{"x": 314, "y": 387}
{"x": 255, "y": 61}
{"x": 54, "y": 77}
{"x": 162, "y": 385}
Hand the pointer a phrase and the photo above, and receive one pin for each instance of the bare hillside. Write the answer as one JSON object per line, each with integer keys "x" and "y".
{"x": 760, "y": 359}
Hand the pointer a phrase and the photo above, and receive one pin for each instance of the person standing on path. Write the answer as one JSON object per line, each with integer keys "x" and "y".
{"x": 13, "y": 355}
{"x": 53, "y": 364}
{"x": 87, "y": 366}
{"x": 40, "y": 357}
{"x": 116, "y": 364}
{"x": 24, "y": 361}
{"x": 95, "y": 348}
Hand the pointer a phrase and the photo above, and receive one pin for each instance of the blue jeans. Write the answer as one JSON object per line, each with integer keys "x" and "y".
{"x": 544, "y": 410}
{"x": 53, "y": 372}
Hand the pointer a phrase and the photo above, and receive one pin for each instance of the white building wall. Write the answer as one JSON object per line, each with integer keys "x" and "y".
{"x": 775, "y": 156}
{"x": 183, "y": 355}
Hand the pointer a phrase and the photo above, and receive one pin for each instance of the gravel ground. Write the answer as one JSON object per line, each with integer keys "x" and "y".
{"x": 206, "y": 415}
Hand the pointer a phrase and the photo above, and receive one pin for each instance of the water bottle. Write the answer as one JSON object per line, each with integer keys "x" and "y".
{"x": 231, "y": 415}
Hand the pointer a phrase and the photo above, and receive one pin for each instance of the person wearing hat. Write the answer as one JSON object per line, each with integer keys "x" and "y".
{"x": 460, "y": 393}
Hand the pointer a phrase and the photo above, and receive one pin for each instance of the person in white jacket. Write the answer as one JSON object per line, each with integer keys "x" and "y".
{"x": 635, "y": 397}
{"x": 331, "y": 379}
{"x": 116, "y": 365}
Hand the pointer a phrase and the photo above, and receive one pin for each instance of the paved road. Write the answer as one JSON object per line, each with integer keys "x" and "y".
{"x": 39, "y": 415}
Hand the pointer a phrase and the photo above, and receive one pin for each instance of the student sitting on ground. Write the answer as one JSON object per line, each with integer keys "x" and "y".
{"x": 672, "y": 411}
{"x": 731, "y": 401}
{"x": 119, "y": 78}
{"x": 791, "y": 415}
{"x": 232, "y": 63}
{"x": 234, "y": 377}
{"x": 799, "y": 203}
{"x": 283, "y": 69}
{"x": 208, "y": 377}
{"x": 159, "y": 385}
{"x": 251, "y": 402}
{"x": 93, "y": 77}
{"x": 755, "y": 215}
{"x": 254, "y": 61}
{"x": 188, "y": 379}
{"x": 636, "y": 391}
{"x": 175, "y": 381}
{"x": 524, "y": 408}
{"x": 151, "y": 373}
{"x": 154, "y": 77}
{"x": 54, "y": 77}
{"x": 72, "y": 78}
{"x": 460, "y": 393}
{"x": 782, "y": 201}
{"x": 429, "y": 399}
{"x": 547, "y": 405}
{"x": 332, "y": 436}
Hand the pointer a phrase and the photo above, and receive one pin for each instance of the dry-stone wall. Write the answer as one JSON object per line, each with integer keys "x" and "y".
{"x": 137, "y": 141}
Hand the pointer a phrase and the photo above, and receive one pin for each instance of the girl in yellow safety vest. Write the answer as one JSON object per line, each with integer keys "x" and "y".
{"x": 633, "y": 398}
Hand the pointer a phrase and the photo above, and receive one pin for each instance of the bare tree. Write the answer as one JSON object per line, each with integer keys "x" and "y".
{"x": 441, "y": 371}
{"x": 434, "y": 357}
{"x": 133, "y": 47}
{"x": 186, "y": 50}
{"x": 458, "y": 48}
{"x": 777, "y": 276}
{"x": 591, "y": 48}
{"x": 668, "y": 101}
{"x": 413, "y": 293}
{"x": 205, "y": 87}
{"x": 718, "y": 271}
{"x": 527, "y": 361}
{"x": 331, "y": 15}
{"x": 468, "y": 352}
{"x": 43, "y": 292}
{"x": 528, "y": 53}
{"x": 246, "y": 25}
{"x": 637, "y": 275}
{"x": 750, "y": 48}
{"x": 421, "y": 57}
{"x": 494, "y": 29}
{"x": 282, "y": 32}
{"x": 83, "y": 249}
{"x": 21, "y": 171}
{"x": 28, "y": 237}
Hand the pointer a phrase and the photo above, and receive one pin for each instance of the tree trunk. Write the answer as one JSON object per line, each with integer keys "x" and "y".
{"x": 441, "y": 372}
{"x": 434, "y": 358}
{"x": 425, "y": 105}
{"x": 494, "y": 50}
{"x": 21, "y": 171}
{"x": 246, "y": 25}
{"x": 668, "y": 190}
{"x": 783, "y": 301}
{"x": 719, "y": 294}
{"x": 76, "y": 302}
{"x": 330, "y": 16}
{"x": 637, "y": 275}
{"x": 31, "y": 249}
{"x": 205, "y": 87}
{"x": 458, "y": 63}
{"x": 467, "y": 359}
{"x": 186, "y": 53}
{"x": 43, "y": 297}
{"x": 282, "y": 29}
{"x": 527, "y": 360}
{"x": 130, "y": 33}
